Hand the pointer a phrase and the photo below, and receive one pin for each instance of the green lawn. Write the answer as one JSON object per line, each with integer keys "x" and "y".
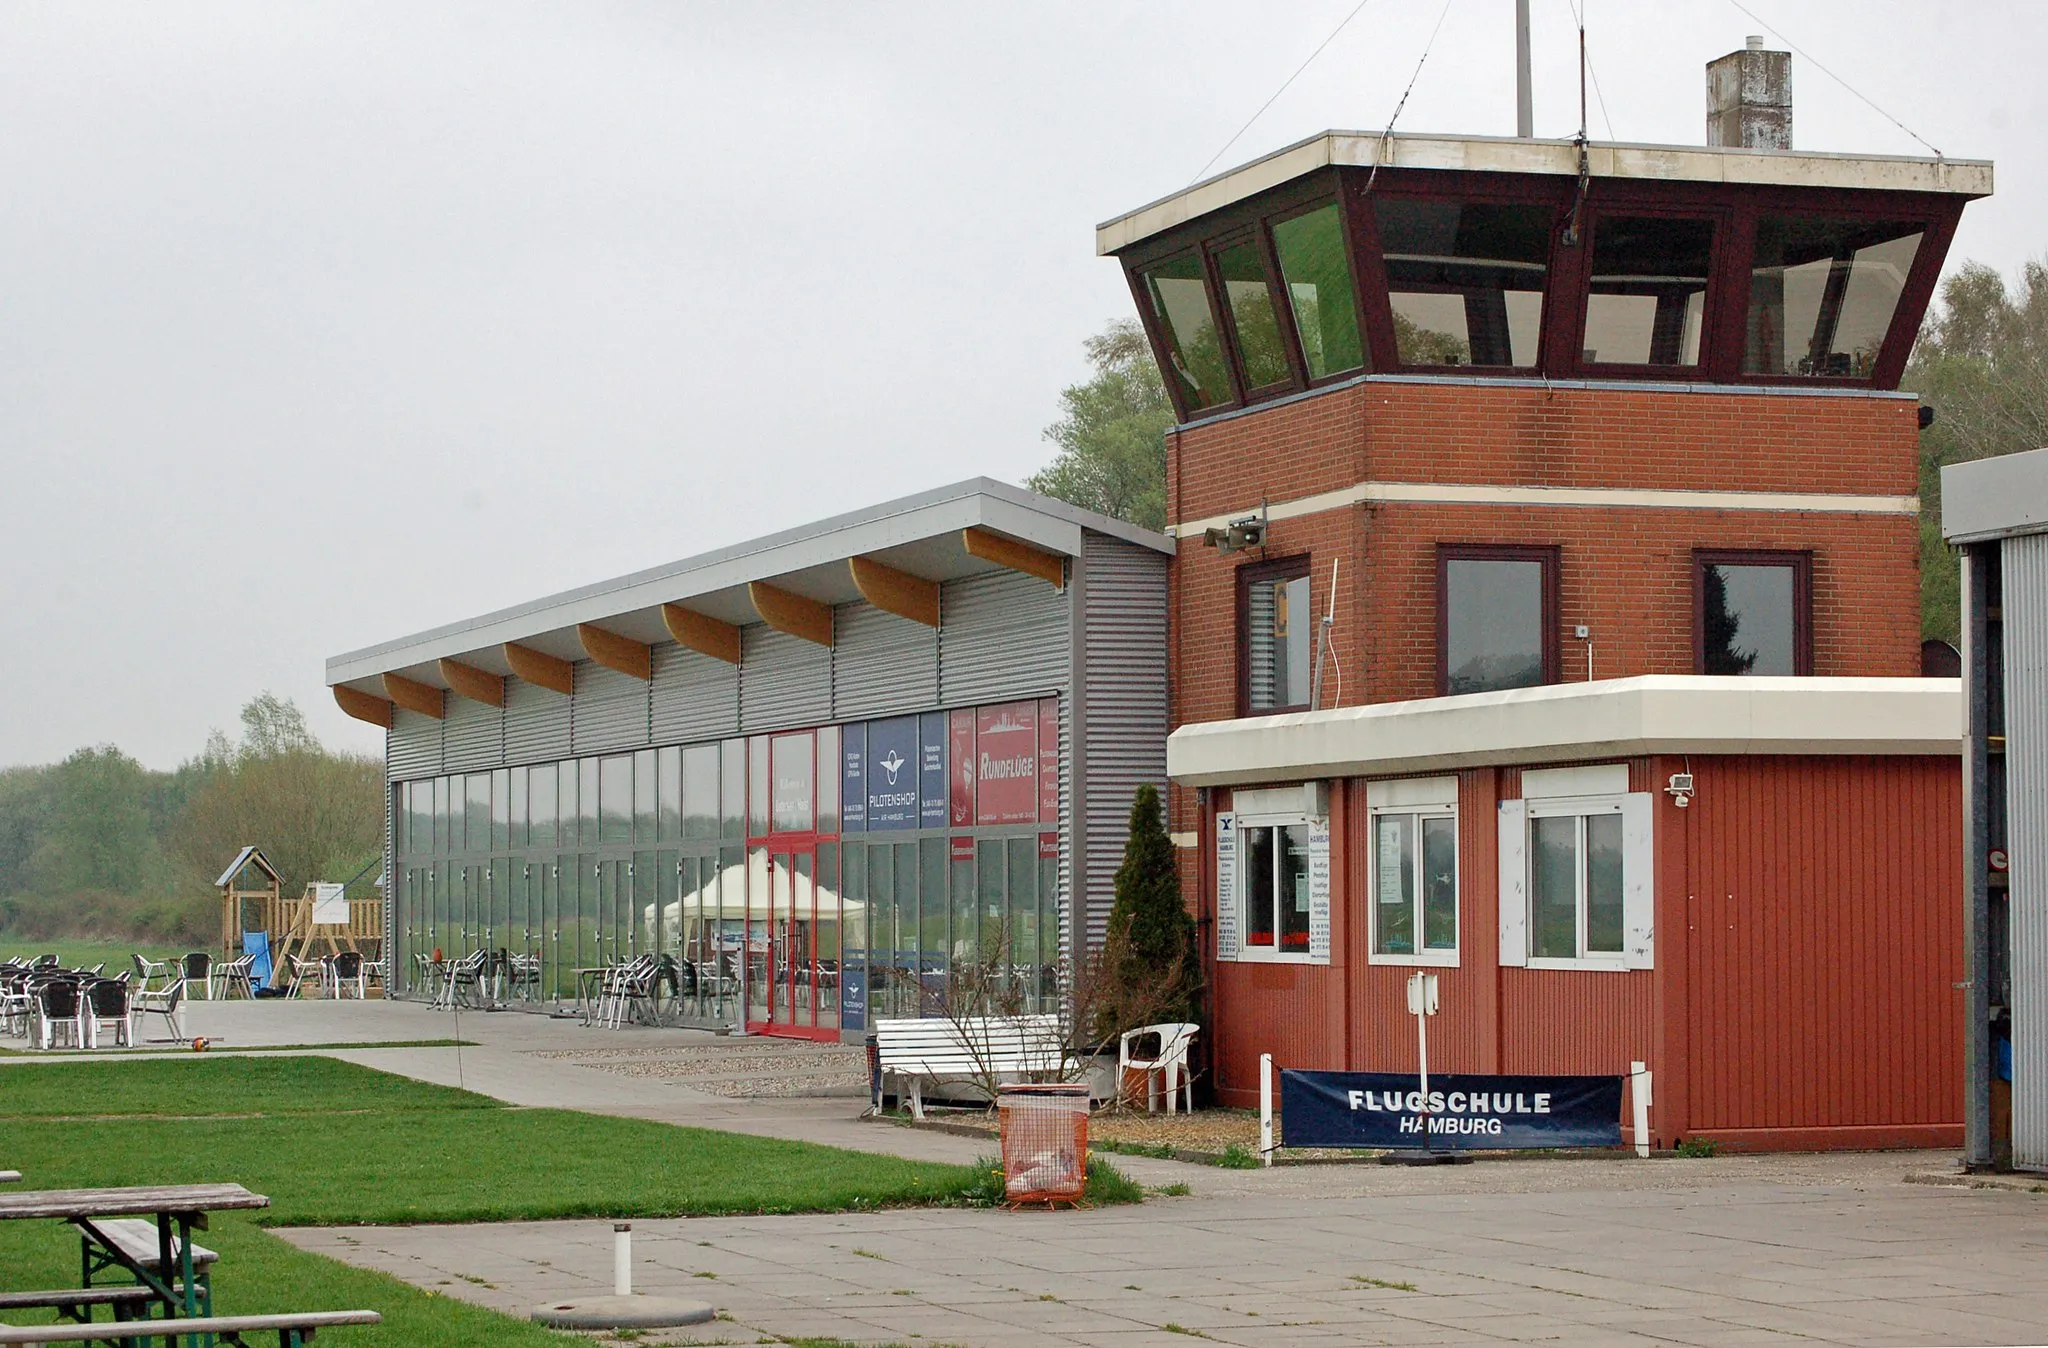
{"x": 334, "y": 1143}
{"x": 84, "y": 954}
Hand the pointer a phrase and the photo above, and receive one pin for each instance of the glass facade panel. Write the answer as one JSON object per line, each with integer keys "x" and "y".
{"x": 826, "y": 909}
{"x": 932, "y": 932}
{"x": 586, "y": 802}
{"x": 732, "y": 789}
{"x": 668, "y": 773}
{"x": 1554, "y": 887}
{"x": 1278, "y": 624}
{"x": 828, "y": 779}
{"x": 501, "y": 809}
{"x": 1465, "y": 279}
{"x": 1603, "y": 884}
{"x": 1822, "y": 293}
{"x": 793, "y": 763}
{"x": 1020, "y": 927}
{"x": 1049, "y": 924}
{"x": 885, "y": 962}
{"x": 1648, "y": 298}
{"x": 517, "y": 797}
{"x": 645, "y": 792}
{"x": 1259, "y": 352}
{"x": 1316, "y": 266}
{"x": 476, "y": 835}
{"x": 1179, "y": 295}
{"x": 540, "y": 806}
{"x": 700, "y": 791}
{"x": 646, "y": 915}
{"x": 1749, "y": 619}
{"x": 855, "y": 914}
{"x": 615, "y": 798}
{"x": 1293, "y": 881}
{"x": 758, "y": 779}
{"x": 1493, "y": 624}
{"x": 441, "y": 803}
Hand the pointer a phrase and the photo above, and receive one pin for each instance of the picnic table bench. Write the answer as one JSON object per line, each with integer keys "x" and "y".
{"x": 158, "y": 1252}
{"x": 291, "y": 1330}
{"x": 977, "y": 1050}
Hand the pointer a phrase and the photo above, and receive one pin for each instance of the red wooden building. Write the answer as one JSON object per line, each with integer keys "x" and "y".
{"x": 1546, "y": 611}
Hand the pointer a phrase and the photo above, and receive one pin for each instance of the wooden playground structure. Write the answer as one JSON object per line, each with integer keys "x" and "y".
{"x": 321, "y": 922}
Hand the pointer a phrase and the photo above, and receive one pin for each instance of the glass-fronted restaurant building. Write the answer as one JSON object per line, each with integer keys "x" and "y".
{"x": 816, "y": 771}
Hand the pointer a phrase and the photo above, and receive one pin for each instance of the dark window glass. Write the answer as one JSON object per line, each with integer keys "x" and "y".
{"x": 1180, "y": 303}
{"x": 1554, "y": 887}
{"x": 1440, "y": 884}
{"x": 1293, "y": 887}
{"x": 1494, "y": 623}
{"x": 1603, "y": 884}
{"x": 1822, "y": 293}
{"x": 615, "y": 794}
{"x": 1648, "y": 300}
{"x": 1259, "y": 352}
{"x": 669, "y": 795}
{"x": 1316, "y": 266}
{"x": 1277, "y": 628}
{"x": 1258, "y": 885}
{"x": 1394, "y": 884}
{"x": 1465, "y": 279}
{"x": 1752, "y": 614}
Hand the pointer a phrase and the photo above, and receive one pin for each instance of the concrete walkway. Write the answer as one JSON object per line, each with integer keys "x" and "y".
{"x": 1732, "y": 1250}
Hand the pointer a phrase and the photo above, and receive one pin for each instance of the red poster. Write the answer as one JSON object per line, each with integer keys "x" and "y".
{"x": 960, "y": 767}
{"x": 1006, "y": 764}
{"x": 1049, "y": 761}
{"x": 963, "y": 849}
{"x": 1048, "y": 847}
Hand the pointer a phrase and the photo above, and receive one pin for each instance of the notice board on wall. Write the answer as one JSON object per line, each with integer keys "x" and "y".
{"x": 1460, "y": 1112}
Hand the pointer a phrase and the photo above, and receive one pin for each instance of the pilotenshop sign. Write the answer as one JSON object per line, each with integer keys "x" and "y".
{"x": 1456, "y": 1113}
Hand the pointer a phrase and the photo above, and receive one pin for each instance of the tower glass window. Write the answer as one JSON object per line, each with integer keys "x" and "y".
{"x": 1179, "y": 295}
{"x": 1259, "y": 352}
{"x": 1465, "y": 279}
{"x": 1315, "y": 263}
{"x": 1752, "y": 612}
{"x": 1497, "y": 623}
{"x": 1648, "y": 300}
{"x": 1822, "y": 293}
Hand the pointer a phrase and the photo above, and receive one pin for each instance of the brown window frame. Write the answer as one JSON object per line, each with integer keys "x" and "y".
{"x": 1249, "y": 574}
{"x": 1550, "y": 555}
{"x": 1801, "y": 563}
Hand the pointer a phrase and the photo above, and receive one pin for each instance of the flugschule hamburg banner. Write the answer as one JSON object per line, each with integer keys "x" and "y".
{"x": 1460, "y": 1113}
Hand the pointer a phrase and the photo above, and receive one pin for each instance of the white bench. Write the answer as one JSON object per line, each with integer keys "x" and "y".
{"x": 977, "y": 1051}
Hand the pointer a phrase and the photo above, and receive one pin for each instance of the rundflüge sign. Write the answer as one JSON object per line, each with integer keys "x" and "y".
{"x": 1457, "y": 1113}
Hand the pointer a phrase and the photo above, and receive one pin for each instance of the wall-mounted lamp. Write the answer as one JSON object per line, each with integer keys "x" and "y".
{"x": 1248, "y": 532}
{"x": 1681, "y": 789}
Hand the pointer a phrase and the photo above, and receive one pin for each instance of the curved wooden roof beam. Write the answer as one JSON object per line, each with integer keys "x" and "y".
{"x": 896, "y": 592}
{"x": 478, "y": 685}
{"x": 702, "y": 633}
{"x": 413, "y": 695}
{"x": 792, "y": 613}
{"x": 1005, "y": 551}
{"x": 541, "y": 669}
{"x": 363, "y": 706}
{"x": 616, "y": 652}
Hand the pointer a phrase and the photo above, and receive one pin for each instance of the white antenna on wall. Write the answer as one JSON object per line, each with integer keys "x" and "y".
{"x": 1325, "y": 648}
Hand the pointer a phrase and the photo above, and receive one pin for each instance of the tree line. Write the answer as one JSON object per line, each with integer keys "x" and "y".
{"x": 1981, "y": 361}
{"x": 100, "y": 847}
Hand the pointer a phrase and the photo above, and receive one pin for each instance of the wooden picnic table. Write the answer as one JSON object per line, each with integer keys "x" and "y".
{"x": 183, "y": 1206}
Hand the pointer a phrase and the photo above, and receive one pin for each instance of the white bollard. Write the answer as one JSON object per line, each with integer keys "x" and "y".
{"x": 1639, "y": 1094}
{"x": 1265, "y": 1109}
{"x": 622, "y": 1258}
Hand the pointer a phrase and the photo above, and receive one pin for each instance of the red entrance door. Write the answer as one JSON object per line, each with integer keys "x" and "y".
{"x": 802, "y": 993}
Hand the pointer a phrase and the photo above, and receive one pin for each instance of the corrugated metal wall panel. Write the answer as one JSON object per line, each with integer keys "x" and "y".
{"x": 881, "y": 664}
{"x": 1123, "y": 703}
{"x": 1564, "y": 1021}
{"x": 2024, "y": 621}
{"x": 1293, "y": 1011}
{"x": 412, "y": 747}
{"x": 1823, "y": 944}
{"x": 536, "y": 723}
{"x": 473, "y": 736}
{"x": 785, "y": 682}
{"x": 1005, "y": 636}
{"x": 610, "y": 710}
{"x": 694, "y": 697}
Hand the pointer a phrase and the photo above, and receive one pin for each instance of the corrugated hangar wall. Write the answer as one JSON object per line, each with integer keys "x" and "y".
{"x": 1123, "y": 704}
{"x": 2024, "y": 563}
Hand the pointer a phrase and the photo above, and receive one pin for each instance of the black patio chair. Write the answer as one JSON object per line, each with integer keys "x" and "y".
{"x": 108, "y": 1003}
{"x": 197, "y": 968}
{"x": 58, "y": 1004}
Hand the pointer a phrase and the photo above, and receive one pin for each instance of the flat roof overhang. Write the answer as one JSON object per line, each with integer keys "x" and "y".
{"x": 1507, "y": 154}
{"x": 1562, "y": 723}
{"x": 924, "y": 538}
{"x": 1995, "y": 498}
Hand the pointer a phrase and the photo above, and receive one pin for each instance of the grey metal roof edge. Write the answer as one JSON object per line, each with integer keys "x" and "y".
{"x": 1333, "y": 135}
{"x": 1999, "y": 497}
{"x": 968, "y": 500}
{"x": 1538, "y": 382}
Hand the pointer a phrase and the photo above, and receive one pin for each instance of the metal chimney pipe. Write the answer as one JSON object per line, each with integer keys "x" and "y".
{"x": 1525, "y": 100}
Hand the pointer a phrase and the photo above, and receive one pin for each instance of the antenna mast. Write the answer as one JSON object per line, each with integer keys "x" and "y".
{"x": 1525, "y": 100}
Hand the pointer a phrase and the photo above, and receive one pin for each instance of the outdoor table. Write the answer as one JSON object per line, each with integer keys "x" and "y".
{"x": 181, "y": 1205}
{"x": 588, "y": 980}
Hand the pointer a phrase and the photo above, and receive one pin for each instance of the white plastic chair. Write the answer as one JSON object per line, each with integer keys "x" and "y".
{"x": 1171, "y": 1062}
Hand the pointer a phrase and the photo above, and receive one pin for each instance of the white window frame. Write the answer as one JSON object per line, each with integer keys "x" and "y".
{"x": 1420, "y": 799}
{"x": 1636, "y": 810}
{"x": 1247, "y": 953}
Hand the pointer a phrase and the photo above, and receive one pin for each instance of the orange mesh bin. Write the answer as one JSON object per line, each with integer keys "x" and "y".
{"x": 1045, "y": 1142}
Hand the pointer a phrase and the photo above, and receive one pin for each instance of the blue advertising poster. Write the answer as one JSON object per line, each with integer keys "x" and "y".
{"x": 853, "y": 796}
{"x": 892, "y": 773}
{"x": 853, "y": 991}
{"x": 931, "y": 767}
{"x": 1460, "y": 1113}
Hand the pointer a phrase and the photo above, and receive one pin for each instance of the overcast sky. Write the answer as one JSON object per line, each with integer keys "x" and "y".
{"x": 323, "y": 323}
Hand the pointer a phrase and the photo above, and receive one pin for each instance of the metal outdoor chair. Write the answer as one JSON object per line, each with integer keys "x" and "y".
{"x": 58, "y": 1008}
{"x": 301, "y": 970}
{"x": 146, "y": 969}
{"x": 108, "y": 1004}
{"x": 164, "y": 1002}
{"x": 197, "y": 970}
{"x": 235, "y": 974}
{"x": 462, "y": 981}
